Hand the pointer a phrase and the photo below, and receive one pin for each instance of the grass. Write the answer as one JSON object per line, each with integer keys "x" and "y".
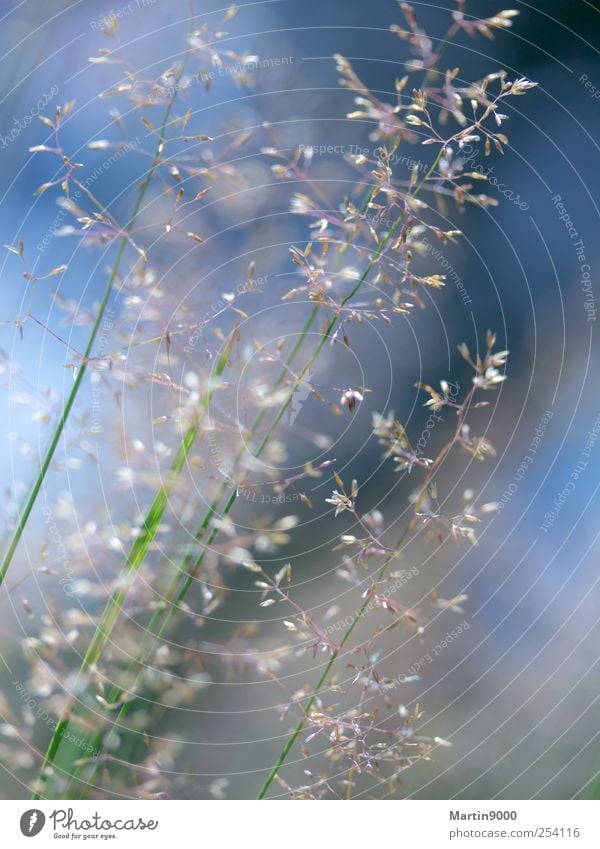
{"x": 156, "y": 512}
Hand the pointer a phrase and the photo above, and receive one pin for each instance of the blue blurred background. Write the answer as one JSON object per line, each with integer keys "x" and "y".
{"x": 517, "y": 694}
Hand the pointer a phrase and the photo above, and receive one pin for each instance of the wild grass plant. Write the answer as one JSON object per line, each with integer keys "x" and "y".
{"x": 223, "y": 392}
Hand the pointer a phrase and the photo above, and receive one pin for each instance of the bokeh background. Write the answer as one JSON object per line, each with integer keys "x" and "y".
{"x": 517, "y": 693}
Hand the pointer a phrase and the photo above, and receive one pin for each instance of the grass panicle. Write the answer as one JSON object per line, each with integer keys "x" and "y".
{"x": 365, "y": 263}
